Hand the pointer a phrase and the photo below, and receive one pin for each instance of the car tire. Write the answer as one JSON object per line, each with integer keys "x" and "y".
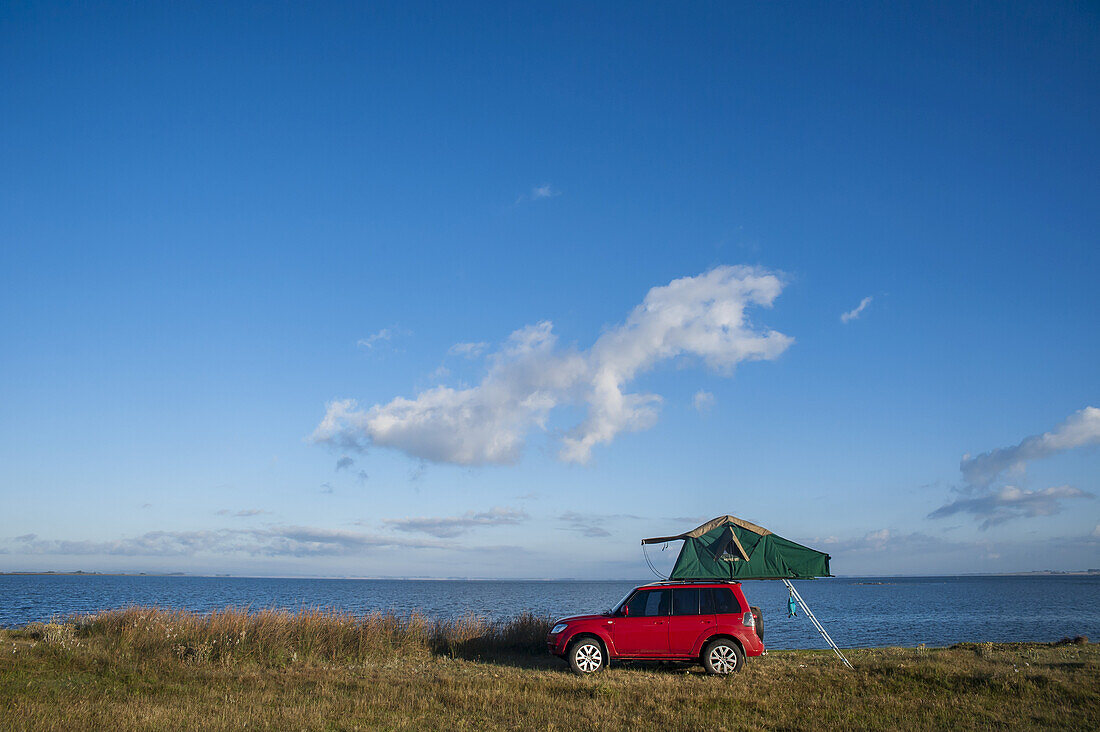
{"x": 722, "y": 656}
{"x": 586, "y": 656}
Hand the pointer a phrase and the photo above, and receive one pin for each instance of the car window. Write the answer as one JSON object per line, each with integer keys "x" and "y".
{"x": 649, "y": 604}
{"x": 706, "y": 601}
{"x": 724, "y": 601}
{"x": 685, "y": 601}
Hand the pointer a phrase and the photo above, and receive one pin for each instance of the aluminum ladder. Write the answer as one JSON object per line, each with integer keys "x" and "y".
{"x": 813, "y": 619}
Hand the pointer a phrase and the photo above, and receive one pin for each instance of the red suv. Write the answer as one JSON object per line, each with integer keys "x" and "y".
{"x": 706, "y": 622}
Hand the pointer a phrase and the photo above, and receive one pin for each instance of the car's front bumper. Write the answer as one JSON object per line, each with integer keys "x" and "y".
{"x": 556, "y": 644}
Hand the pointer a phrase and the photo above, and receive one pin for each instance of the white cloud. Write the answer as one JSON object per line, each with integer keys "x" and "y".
{"x": 383, "y": 335}
{"x": 344, "y": 462}
{"x": 544, "y": 191}
{"x": 1011, "y": 502}
{"x": 451, "y": 526}
{"x": 1081, "y": 429}
{"x": 703, "y": 401}
{"x": 702, "y": 316}
{"x": 853, "y": 314}
{"x": 539, "y": 192}
{"x": 987, "y": 498}
{"x": 469, "y": 350}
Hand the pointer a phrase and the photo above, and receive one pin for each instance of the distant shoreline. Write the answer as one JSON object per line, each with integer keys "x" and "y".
{"x": 78, "y": 573}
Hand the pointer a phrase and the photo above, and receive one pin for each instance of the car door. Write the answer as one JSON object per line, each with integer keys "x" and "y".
{"x": 643, "y": 631}
{"x": 692, "y": 616}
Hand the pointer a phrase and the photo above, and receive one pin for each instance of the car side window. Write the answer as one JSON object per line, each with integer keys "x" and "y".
{"x": 706, "y": 601}
{"x": 724, "y": 601}
{"x": 658, "y": 603}
{"x": 685, "y": 601}
{"x": 649, "y": 604}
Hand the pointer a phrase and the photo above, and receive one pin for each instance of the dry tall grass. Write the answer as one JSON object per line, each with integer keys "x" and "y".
{"x": 278, "y": 637}
{"x": 144, "y": 668}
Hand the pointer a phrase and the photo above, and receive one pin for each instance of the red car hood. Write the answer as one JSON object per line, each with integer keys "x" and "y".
{"x": 573, "y": 618}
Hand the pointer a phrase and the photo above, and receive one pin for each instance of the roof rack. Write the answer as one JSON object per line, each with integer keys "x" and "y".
{"x": 694, "y": 582}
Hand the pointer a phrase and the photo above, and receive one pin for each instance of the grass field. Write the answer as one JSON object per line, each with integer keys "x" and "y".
{"x": 150, "y": 669}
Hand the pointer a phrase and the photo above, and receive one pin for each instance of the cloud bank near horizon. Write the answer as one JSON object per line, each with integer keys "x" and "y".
{"x": 531, "y": 375}
{"x": 272, "y": 541}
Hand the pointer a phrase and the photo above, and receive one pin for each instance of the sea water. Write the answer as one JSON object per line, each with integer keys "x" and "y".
{"x": 857, "y": 612}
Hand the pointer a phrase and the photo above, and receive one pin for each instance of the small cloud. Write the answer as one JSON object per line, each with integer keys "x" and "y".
{"x": 327, "y": 488}
{"x": 853, "y": 314}
{"x": 1011, "y": 502}
{"x": 702, "y": 401}
{"x": 26, "y": 537}
{"x": 544, "y": 191}
{"x": 243, "y": 513}
{"x": 450, "y": 526}
{"x": 361, "y": 476}
{"x": 369, "y": 342}
{"x": 146, "y": 505}
{"x": 344, "y": 462}
{"x": 1096, "y": 532}
{"x": 538, "y": 193}
{"x": 532, "y": 496}
{"x": 469, "y": 350}
{"x": 592, "y": 525}
{"x": 690, "y": 519}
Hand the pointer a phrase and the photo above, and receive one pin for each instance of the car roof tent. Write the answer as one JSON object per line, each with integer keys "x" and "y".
{"x": 729, "y": 548}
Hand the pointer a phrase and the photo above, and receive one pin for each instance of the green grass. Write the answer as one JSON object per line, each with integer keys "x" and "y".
{"x": 151, "y": 669}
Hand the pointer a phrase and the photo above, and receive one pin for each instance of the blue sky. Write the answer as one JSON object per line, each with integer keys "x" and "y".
{"x": 218, "y": 221}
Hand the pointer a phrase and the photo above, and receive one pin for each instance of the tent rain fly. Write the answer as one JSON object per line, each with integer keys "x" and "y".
{"x": 729, "y": 548}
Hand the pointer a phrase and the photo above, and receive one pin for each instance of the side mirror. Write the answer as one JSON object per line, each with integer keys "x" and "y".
{"x": 625, "y": 611}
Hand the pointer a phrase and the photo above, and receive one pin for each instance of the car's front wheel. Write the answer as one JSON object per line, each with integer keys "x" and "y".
{"x": 722, "y": 657}
{"x": 587, "y": 656}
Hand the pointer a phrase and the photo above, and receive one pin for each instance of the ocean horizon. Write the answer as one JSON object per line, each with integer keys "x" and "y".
{"x": 858, "y": 611}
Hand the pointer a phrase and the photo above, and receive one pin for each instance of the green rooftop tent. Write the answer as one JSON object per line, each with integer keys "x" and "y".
{"x": 728, "y": 548}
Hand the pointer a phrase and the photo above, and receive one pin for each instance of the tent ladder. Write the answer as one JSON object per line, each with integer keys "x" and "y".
{"x": 813, "y": 619}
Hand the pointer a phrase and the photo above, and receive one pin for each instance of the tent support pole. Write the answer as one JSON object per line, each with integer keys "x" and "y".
{"x": 813, "y": 619}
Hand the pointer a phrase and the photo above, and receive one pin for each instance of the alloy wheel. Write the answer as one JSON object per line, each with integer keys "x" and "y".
{"x": 588, "y": 657}
{"x": 723, "y": 659}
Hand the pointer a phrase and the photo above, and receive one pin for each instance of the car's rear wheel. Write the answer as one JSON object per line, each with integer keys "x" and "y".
{"x": 722, "y": 656}
{"x": 586, "y": 656}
